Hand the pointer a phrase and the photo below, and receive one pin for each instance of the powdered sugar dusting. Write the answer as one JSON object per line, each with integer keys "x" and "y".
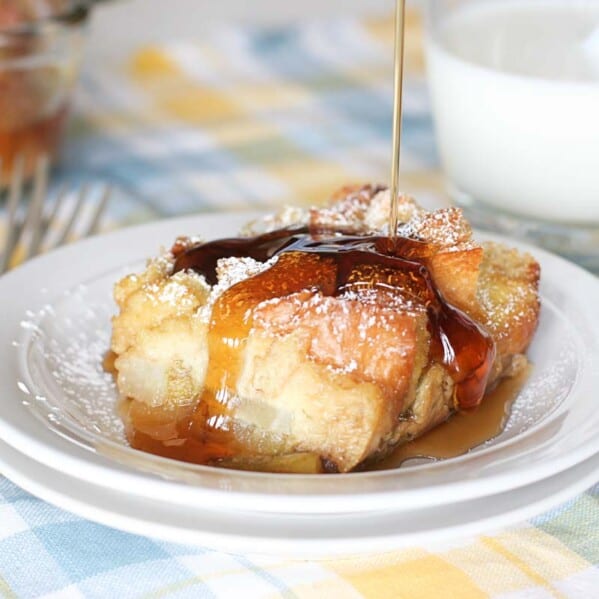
{"x": 402, "y": 300}
{"x": 286, "y": 217}
{"x": 174, "y": 291}
{"x": 65, "y": 358}
{"x": 366, "y": 210}
{"x": 345, "y": 335}
{"x": 377, "y": 215}
{"x": 446, "y": 228}
{"x": 549, "y": 385}
{"x": 514, "y": 309}
{"x": 229, "y": 272}
{"x": 162, "y": 264}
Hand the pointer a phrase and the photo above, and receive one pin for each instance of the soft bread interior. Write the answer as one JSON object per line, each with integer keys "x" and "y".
{"x": 347, "y": 379}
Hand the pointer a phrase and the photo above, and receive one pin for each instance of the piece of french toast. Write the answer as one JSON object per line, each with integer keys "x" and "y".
{"x": 346, "y": 378}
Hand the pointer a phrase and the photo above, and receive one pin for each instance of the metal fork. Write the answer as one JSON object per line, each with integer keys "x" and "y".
{"x": 28, "y": 230}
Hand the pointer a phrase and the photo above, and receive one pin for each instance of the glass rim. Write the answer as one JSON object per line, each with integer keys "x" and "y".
{"x": 73, "y": 15}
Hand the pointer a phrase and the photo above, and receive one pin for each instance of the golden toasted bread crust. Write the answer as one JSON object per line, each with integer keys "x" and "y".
{"x": 347, "y": 378}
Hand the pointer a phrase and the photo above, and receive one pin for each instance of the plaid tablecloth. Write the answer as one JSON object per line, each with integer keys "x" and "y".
{"x": 254, "y": 118}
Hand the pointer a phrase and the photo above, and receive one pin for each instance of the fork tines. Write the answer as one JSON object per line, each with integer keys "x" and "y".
{"x": 33, "y": 224}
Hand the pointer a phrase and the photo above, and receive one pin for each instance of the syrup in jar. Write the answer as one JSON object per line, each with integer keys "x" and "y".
{"x": 40, "y": 51}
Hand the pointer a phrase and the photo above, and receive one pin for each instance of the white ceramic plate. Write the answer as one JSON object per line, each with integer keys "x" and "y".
{"x": 295, "y": 536}
{"x": 57, "y": 406}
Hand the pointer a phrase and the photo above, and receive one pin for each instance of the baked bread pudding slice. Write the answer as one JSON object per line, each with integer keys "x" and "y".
{"x": 311, "y": 342}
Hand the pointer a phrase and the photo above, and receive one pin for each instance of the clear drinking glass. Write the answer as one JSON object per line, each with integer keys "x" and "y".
{"x": 515, "y": 99}
{"x": 41, "y": 44}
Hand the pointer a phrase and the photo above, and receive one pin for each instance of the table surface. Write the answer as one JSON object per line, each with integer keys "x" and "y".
{"x": 222, "y": 106}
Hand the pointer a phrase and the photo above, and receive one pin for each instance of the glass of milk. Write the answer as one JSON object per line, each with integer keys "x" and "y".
{"x": 515, "y": 97}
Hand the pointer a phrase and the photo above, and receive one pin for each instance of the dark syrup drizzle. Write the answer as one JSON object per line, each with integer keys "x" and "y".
{"x": 359, "y": 261}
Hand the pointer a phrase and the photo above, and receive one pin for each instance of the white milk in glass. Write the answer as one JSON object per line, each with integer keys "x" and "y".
{"x": 515, "y": 91}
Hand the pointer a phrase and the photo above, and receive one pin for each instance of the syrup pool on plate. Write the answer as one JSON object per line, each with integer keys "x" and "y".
{"x": 463, "y": 431}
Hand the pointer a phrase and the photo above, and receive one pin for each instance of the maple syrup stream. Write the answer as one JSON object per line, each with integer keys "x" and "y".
{"x": 400, "y": 12}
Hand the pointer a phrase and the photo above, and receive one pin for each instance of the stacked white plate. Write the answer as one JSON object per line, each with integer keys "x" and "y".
{"x": 62, "y": 439}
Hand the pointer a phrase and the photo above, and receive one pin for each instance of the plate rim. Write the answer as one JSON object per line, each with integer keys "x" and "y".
{"x": 142, "y": 477}
{"x": 61, "y": 495}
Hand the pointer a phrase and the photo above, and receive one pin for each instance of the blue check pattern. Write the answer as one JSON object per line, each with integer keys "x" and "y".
{"x": 47, "y": 552}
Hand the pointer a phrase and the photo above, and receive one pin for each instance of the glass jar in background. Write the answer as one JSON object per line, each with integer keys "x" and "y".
{"x": 41, "y": 43}
{"x": 515, "y": 97}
